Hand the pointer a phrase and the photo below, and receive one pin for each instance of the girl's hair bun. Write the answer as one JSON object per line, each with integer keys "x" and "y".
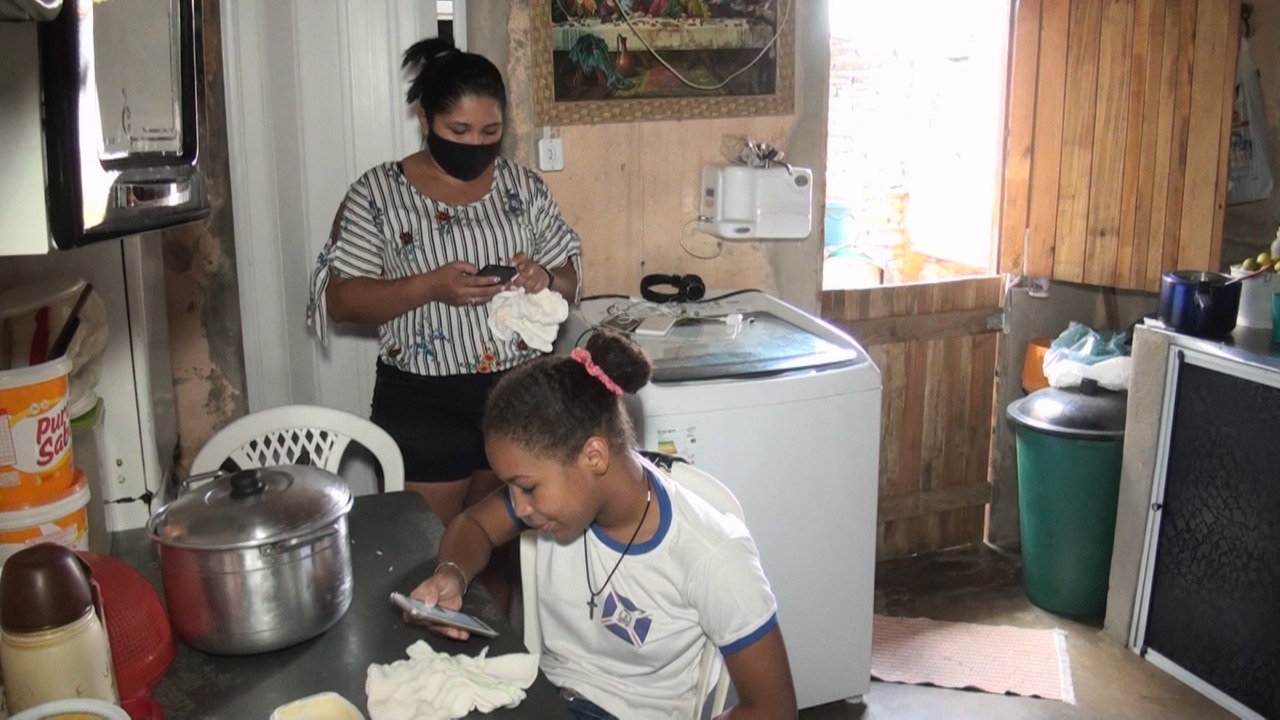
{"x": 621, "y": 358}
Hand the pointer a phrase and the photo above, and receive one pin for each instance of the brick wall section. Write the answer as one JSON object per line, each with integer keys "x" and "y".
{"x": 867, "y": 185}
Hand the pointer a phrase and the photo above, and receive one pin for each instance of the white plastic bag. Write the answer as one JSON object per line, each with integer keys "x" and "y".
{"x": 1081, "y": 353}
{"x": 1249, "y": 168}
{"x": 1113, "y": 374}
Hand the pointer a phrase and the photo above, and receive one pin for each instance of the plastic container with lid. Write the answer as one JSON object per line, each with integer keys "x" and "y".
{"x": 324, "y": 706}
{"x": 53, "y": 644}
{"x": 63, "y": 521}
{"x": 35, "y": 435}
{"x": 1070, "y": 445}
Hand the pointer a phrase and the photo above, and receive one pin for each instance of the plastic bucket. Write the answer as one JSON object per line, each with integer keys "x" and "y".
{"x": 1255, "y": 298}
{"x": 35, "y": 435}
{"x": 64, "y": 521}
{"x": 1033, "y": 378}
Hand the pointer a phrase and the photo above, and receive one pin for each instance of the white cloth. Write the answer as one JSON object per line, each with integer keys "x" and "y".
{"x": 535, "y": 318}
{"x": 637, "y": 657}
{"x": 438, "y": 686}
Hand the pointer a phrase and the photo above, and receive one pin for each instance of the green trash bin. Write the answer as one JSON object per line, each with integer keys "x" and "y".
{"x": 1070, "y": 444}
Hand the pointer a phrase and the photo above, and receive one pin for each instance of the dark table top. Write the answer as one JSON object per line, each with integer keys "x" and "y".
{"x": 394, "y": 538}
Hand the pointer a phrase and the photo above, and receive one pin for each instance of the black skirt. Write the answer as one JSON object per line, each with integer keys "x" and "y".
{"x": 434, "y": 420}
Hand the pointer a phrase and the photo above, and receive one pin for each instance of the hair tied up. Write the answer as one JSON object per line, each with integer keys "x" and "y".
{"x": 425, "y": 52}
{"x": 443, "y": 75}
{"x": 583, "y": 356}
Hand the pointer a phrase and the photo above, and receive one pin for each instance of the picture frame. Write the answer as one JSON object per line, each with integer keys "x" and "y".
{"x": 594, "y": 63}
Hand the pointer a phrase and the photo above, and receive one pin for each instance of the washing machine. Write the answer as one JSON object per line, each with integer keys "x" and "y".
{"x": 784, "y": 409}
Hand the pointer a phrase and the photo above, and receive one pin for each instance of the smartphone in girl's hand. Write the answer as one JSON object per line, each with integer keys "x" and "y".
{"x": 442, "y": 616}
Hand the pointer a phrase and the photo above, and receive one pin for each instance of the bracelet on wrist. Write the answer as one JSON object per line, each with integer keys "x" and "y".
{"x": 461, "y": 573}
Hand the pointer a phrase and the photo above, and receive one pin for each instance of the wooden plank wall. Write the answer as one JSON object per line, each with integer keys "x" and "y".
{"x": 1118, "y": 121}
{"x": 936, "y": 351}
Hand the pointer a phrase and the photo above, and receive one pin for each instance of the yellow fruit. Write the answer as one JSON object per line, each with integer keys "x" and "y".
{"x": 1264, "y": 259}
{"x": 1249, "y": 265}
{"x": 1276, "y": 267}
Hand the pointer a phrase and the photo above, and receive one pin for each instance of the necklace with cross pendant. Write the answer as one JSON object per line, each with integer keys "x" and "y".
{"x": 591, "y": 601}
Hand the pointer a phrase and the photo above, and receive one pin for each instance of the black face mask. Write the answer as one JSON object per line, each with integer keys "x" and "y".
{"x": 461, "y": 160}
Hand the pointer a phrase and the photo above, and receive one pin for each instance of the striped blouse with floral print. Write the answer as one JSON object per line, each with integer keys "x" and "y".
{"x": 388, "y": 229}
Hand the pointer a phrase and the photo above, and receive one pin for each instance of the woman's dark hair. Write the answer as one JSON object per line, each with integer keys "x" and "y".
{"x": 551, "y": 405}
{"x": 446, "y": 75}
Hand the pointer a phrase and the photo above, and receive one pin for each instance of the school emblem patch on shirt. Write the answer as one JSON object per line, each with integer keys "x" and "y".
{"x": 625, "y": 620}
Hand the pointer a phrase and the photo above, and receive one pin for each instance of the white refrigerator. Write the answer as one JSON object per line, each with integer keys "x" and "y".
{"x": 784, "y": 409}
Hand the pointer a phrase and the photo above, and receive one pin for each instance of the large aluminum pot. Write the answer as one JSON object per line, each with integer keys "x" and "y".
{"x": 256, "y": 560}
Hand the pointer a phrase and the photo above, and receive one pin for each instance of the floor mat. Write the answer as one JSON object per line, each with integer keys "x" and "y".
{"x": 992, "y": 658}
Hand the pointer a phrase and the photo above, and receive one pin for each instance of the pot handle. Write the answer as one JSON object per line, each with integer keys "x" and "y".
{"x": 296, "y": 542}
{"x": 1202, "y": 295}
{"x": 192, "y": 481}
{"x": 1204, "y": 299}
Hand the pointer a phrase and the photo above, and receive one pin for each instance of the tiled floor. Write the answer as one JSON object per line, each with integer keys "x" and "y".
{"x": 978, "y": 585}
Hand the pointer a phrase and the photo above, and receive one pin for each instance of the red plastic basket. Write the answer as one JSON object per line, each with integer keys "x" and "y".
{"x": 141, "y": 640}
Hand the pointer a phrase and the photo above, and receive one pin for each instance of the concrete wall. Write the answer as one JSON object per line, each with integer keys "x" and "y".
{"x": 1249, "y": 228}
{"x": 1030, "y": 318}
{"x": 1137, "y": 473}
{"x": 205, "y": 341}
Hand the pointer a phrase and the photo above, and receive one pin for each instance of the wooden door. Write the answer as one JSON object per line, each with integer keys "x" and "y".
{"x": 935, "y": 345}
{"x": 1119, "y": 115}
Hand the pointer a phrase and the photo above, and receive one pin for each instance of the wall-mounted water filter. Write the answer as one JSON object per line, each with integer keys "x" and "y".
{"x": 756, "y": 203}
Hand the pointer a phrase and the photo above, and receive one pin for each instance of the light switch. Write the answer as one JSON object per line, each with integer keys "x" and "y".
{"x": 550, "y": 154}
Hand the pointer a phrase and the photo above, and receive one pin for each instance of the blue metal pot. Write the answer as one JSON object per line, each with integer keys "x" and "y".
{"x": 1199, "y": 303}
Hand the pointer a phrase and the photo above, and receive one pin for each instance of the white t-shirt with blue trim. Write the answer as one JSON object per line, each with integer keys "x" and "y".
{"x": 698, "y": 577}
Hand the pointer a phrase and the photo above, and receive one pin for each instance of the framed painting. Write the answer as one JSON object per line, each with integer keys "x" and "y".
{"x": 599, "y": 61}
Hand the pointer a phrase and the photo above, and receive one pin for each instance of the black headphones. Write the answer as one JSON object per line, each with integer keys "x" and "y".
{"x": 688, "y": 288}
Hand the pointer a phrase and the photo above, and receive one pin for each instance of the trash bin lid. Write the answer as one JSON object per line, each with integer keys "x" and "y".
{"x": 1086, "y": 413}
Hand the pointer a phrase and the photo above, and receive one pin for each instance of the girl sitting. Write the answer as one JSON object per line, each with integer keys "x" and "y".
{"x": 634, "y": 571}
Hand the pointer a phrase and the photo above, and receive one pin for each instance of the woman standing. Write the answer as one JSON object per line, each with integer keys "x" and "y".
{"x": 404, "y": 252}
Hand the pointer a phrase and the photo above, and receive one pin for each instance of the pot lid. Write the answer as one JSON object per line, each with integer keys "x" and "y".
{"x": 252, "y": 507}
{"x": 1087, "y": 412}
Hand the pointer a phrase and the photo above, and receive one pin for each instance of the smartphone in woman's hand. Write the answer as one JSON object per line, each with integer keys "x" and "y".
{"x": 504, "y": 273}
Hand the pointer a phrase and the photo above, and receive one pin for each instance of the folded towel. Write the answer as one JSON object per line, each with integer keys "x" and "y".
{"x": 535, "y": 318}
{"x": 438, "y": 686}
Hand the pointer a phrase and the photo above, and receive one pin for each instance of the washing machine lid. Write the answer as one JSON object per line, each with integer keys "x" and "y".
{"x": 708, "y": 348}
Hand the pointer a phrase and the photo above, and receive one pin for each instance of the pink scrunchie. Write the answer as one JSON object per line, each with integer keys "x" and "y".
{"x": 583, "y": 356}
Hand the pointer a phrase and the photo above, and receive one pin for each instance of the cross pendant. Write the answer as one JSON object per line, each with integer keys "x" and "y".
{"x": 591, "y": 608}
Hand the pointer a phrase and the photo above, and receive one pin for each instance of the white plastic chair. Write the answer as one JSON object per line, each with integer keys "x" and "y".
{"x": 288, "y": 434}
{"x": 712, "y": 672}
